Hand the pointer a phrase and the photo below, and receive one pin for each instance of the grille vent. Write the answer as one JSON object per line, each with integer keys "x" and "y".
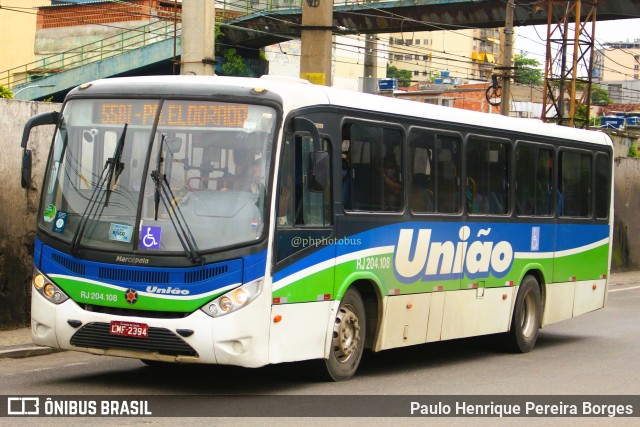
{"x": 160, "y": 340}
{"x": 69, "y": 264}
{"x": 135, "y": 276}
{"x": 204, "y": 274}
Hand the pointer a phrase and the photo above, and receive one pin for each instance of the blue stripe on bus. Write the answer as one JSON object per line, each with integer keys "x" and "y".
{"x": 523, "y": 237}
{"x": 198, "y": 280}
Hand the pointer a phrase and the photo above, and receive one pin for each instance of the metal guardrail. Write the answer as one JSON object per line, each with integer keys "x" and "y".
{"x": 95, "y": 51}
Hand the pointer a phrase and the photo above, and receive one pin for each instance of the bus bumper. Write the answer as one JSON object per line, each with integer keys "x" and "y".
{"x": 240, "y": 338}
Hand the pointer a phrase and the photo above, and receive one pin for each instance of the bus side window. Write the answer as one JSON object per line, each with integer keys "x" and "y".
{"x": 487, "y": 177}
{"x": 297, "y": 206}
{"x": 534, "y": 176}
{"x": 435, "y": 186}
{"x": 316, "y": 206}
{"x": 575, "y": 183}
{"x": 603, "y": 186}
{"x": 374, "y": 172}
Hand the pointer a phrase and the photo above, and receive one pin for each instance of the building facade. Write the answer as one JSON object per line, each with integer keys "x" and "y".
{"x": 462, "y": 54}
{"x": 617, "y": 68}
{"x": 18, "y": 23}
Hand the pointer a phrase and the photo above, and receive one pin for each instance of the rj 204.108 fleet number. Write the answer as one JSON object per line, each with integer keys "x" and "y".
{"x": 98, "y": 296}
{"x": 373, "y": 263}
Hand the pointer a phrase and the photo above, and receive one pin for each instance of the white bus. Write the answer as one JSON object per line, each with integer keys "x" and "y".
{"x": 255, "y": 221}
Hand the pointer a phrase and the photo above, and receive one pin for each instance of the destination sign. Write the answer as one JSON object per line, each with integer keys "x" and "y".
{"x": 174, "y": 113}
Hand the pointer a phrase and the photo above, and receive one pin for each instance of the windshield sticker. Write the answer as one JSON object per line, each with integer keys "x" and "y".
{"x": 150, "y": 237}
{"x": 120, "y": 233}
{"x": 60, "y": 221}
{"x": 50, "y": 213}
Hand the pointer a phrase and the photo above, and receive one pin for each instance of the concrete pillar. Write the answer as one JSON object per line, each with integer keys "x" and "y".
{"x": 198, "y": 37}
{"x": 316, "y": 41}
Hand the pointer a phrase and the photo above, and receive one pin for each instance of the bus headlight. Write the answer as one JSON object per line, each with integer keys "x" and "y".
{"x": 47, "y": 288}
{"x": 233, "y": 300}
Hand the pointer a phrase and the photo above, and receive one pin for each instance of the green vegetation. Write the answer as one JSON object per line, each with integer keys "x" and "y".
{"x": 600, "y": 96}
{"x": 234, "y": 64}
{"x": 403, "y": 76}
{"x": 528, "y": 70}
{"x": 5, "y": 92}
{"x": 633, "y": 151}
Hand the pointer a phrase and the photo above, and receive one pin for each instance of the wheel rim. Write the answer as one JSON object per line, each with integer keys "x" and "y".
{"x": 346, "y": 333}
{"x": 529, "y": 315}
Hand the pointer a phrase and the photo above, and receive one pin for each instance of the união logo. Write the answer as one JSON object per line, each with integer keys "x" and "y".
{"x": 421, "y": 258}
{"x": 170, "y": 290}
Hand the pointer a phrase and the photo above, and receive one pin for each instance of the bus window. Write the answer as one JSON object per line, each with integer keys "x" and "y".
{"x": 297, "y": 206}
{"x": 575, "y": 184}
{"x": 603, "y": 185}
{"x": 374, "y": 169}
{"x": 433, "y": 172}
{"x": 534, "y": 174}
{"x": 487, "y": 177}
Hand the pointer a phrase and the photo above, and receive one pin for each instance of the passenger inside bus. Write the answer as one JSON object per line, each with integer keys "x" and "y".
{"x": 392, "y": 185}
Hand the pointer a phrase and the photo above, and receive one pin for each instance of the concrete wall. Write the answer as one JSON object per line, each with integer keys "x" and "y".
{"x": 18, "y": 207}
{"x": 626, "y": 248}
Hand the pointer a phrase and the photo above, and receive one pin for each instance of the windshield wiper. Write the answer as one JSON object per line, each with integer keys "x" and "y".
{"x": 113, "y": 166}
{"x": 163, "y": 192}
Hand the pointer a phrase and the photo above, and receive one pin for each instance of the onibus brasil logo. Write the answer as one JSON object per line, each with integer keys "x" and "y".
{"x": 422, "y": 258}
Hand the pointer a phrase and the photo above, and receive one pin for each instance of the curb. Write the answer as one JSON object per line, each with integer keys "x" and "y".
{"x": 25, "y": 350}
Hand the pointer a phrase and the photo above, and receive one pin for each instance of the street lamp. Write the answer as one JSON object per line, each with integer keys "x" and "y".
{"x": 29, "y": 87}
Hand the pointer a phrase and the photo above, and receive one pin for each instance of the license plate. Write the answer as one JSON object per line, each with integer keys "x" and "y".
{"x": 129, "y": 329}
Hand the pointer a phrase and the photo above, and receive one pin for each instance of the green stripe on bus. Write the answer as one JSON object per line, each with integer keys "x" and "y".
{"x": 95, "y": 294}
{"x": 588, "y": 265}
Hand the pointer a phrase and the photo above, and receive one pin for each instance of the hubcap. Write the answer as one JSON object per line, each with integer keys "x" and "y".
{"x": 346, "y": 333}
{"x": 528, "y": 318}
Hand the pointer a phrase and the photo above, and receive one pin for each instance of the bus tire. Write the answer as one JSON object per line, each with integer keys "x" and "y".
{"x": 348, "y": 338}
{"x": 527, "y": 316}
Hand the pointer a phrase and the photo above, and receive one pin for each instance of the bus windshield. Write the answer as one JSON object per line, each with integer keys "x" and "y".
{"x": 163, "y": 176}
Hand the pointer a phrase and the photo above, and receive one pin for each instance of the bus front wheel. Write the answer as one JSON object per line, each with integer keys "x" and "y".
{"x": 527, "y": 315}
{"x": 347, "y": 341}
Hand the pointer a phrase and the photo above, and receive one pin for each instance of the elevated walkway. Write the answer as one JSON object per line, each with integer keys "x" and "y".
{"x": 379, "y": 17}
{"x": 137, "y": 49}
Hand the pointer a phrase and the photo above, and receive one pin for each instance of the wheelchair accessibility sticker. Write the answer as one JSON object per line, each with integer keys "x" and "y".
{"x": 150, "y": 237}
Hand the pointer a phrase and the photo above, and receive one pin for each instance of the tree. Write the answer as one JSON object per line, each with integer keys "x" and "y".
{"x": 527, "y": 70}
{"x": 600, "y": 96}
{"x": 403, "y": 76}
{"x": 5, "y": 92}
{"x": 234, "y": 64}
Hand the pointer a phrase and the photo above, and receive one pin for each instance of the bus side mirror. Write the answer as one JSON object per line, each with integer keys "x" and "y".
{"x": 25, "y": 178}
{"x": 50, "y": 118}
{"x": 318, "y": 171}
{"x": 41, "y": 119}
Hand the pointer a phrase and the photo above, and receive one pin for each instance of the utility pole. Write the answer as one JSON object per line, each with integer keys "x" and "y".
{"x": 198, "y": 37}
{"x": 370, "y": 64}
{"x": 316, "y": 41}
{"x": 571, "y": 27}
{"x": 507, "y": 63}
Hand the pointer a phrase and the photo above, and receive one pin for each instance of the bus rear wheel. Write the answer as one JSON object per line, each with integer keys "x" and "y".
{"x": 527, "y": 316}
{"x": 347, "y": 341}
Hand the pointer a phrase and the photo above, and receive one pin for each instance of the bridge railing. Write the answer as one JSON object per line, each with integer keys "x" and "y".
{"x": 91, "y": 52}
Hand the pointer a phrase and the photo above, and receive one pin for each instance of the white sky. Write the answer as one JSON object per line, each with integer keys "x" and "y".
{"x": 534, "y": 44}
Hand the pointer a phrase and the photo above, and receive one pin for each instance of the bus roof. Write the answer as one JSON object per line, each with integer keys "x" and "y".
{"x": 290, "y": 89}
